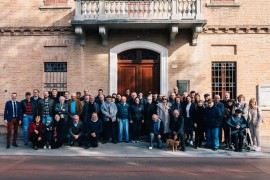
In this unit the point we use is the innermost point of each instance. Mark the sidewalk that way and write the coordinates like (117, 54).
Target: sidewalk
(126, 150)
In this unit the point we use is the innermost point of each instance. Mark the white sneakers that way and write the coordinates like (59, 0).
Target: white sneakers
(258, 149)
(150, 147)
(49, 147)
(45, 147)
(191, 143)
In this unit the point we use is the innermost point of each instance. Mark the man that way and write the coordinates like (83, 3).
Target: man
(177, 105)
(61, 108)
(35, 98)
(176, 91)
(75, 130)
(123, 119)
(238, 125)
(226, 98)
(55, 96)
(131, 100)
(206, 99)
(192, 94)
(85, 92)
(142, 100)
(78, 95)
(109, 111)
(149, 110)
(172, 98)
(93, 129)
(67, 97)
(220, 106)
(29, 110)
(160, 96)
(212, 119)
(97, 99)
(177, 128)
(156, 129)
(155, 98)
(12, 117)
(46, 108)
(74, 106)
(90, 108)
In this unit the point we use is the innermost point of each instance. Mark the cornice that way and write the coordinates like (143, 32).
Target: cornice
(236, 29)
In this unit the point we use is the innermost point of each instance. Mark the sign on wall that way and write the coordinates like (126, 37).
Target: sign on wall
(263, 96)
(183, 86)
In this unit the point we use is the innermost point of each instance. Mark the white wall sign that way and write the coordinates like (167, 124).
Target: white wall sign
(263, 96)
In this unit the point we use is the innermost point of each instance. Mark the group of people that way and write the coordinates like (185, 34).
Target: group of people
(51, 121)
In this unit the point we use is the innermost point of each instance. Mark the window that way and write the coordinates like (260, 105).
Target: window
(55, 76)
(56, 2)
(224, 78)
(223, 3)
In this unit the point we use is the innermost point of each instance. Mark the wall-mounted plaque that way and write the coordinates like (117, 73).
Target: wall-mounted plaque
(263, 96)
(183, 86)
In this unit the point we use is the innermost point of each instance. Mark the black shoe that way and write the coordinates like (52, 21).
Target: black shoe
(87, 146)
(15, 145)
(183, 149)
(8, 146)
(35, 148)
(240, 150)
(114, 142)
(71, 143)
(195, 147)
(215, 149)
(104, 142)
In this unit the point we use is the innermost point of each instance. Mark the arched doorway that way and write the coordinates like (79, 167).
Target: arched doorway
(138, 70)
(113, 62)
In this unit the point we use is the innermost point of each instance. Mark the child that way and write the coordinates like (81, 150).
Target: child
(48, 134)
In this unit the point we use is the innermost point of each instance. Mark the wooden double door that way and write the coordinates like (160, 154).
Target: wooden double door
(138, 70)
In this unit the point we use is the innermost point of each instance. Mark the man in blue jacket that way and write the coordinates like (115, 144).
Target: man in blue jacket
(12, 117)
(238, 124)
(212, 119)
(123, 119)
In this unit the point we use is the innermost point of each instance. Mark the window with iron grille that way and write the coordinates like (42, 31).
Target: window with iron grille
(224, 78)
(55, 76)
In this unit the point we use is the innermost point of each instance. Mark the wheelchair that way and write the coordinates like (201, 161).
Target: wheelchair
(246, 144)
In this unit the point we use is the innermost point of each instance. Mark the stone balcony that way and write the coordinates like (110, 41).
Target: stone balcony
(138, 14)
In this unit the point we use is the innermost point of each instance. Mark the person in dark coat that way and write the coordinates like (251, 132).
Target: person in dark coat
(188, 109)
(90, 108)
(177, 127)
(136, 119)
(198, 124)
(35, 133)
(48, 134)
(238, 125)
(149, 110)
(93, 129)
(46, 107)
(156, 129)
(220, 106)
(76, 130)
(229, 110)
(177, 105)
(58, 132)
(212, 119)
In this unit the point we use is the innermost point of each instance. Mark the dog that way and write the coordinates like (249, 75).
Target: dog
(172, 143)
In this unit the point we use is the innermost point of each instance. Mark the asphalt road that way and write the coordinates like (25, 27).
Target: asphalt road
(49, 167)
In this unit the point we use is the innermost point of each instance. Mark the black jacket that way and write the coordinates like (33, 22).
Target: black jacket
(149, 110)
(60, 130)
(177, 125)
(33, 104)
(178, 107)
(93, 127)
(136, 112)
(212, 117)
(198, 116)
(72, 130)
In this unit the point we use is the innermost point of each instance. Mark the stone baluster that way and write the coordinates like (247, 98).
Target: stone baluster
(146, 8)
(122, 8)
(136, 9)
(189, 8)
(83, 8)
(155, 8)
(193, 8)
(151, 9)
(107, 7)
(112, 8)
(160, 8)
(141, 8)
(126, 9)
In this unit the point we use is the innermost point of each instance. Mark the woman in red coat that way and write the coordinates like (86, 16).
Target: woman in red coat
(35, 133)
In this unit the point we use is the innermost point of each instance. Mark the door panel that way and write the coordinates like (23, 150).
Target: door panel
(127, 78)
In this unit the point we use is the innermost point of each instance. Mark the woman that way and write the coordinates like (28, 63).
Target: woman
(242, 105)
(197, 98)
(58, 132)
(136, 119)
(198, 124)
(163, 112)
(254, 120)
(229, 110)
(188, 112)
(35, 134)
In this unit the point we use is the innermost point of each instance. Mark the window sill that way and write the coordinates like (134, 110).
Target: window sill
(222, 5)
(54, 7)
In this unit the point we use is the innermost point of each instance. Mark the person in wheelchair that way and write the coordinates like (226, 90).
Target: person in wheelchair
(238, 125)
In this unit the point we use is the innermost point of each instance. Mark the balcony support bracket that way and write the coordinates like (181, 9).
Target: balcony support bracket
(103, 31)
(173, 33)
(80, 32)
(196, 30)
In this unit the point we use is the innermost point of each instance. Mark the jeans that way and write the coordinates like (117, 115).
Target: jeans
(44, 119)
(123, 129)
(27, 119)
(153, 136)
(213, 138)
